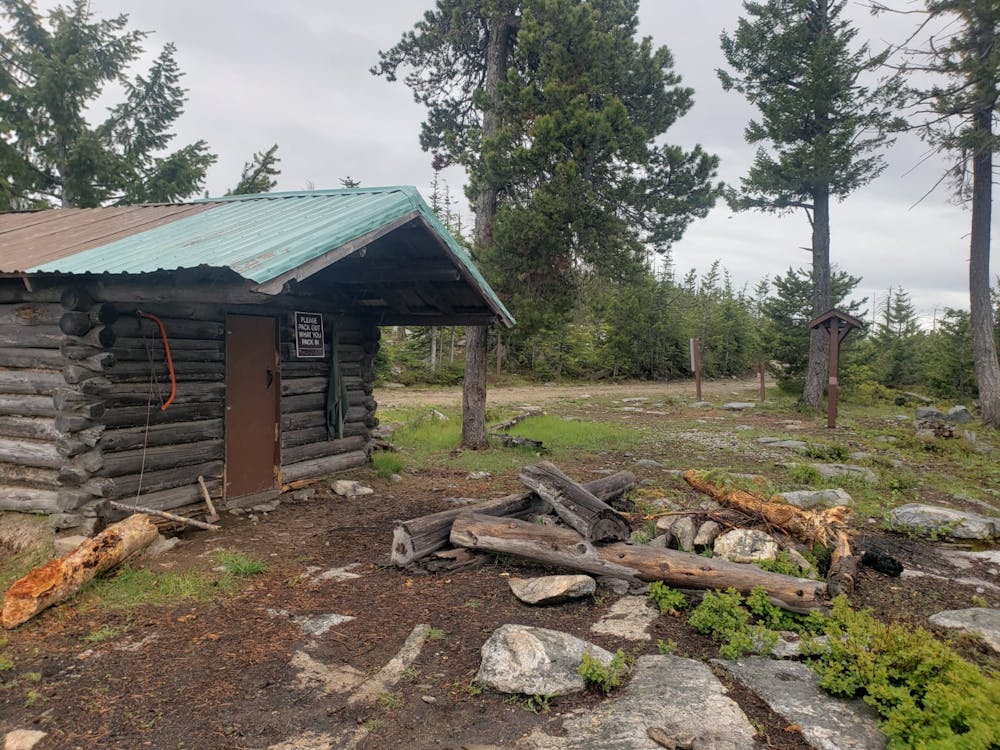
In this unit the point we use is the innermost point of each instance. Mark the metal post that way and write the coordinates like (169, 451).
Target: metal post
(831, 397)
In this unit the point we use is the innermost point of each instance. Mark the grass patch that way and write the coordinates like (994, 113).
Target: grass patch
(435, 634)
(577, 434)
(386, 463)
(132, 587)
(103, 633)
(240, 565)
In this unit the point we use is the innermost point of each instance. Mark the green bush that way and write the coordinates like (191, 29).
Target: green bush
(667, 599)
(606, 678)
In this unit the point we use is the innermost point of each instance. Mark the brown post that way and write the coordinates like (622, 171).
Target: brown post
(696, 366)
(834, 385)
(499, 353)
(760, 373)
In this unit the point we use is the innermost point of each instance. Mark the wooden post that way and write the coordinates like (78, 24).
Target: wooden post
(696, 366)
(760, 374)
(499, 353)
(833, 387)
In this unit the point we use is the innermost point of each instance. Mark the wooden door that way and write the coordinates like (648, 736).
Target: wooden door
(252, 405)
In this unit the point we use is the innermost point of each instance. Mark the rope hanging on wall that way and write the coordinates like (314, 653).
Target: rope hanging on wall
(336, 392)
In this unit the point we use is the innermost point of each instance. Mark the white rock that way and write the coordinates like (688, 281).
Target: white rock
(552, 589)
(745, 545)
(350, 488)
(628, 618)
(945, 521)
(808, 499)
(23, 739)
(982, 621)
(475, 475)
(707, 534)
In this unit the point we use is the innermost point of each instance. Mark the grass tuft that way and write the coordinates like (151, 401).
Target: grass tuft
(240, 565)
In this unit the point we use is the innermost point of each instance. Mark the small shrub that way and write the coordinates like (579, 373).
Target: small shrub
(667, 649)
(103, 633)
(803, 474)
(667, 600)
(781, 564)
(240, 565)
(386, 463)
(537, 703)
(823, 452)
(606, 678)
(435, 634)
(390, 701)
(6, 663)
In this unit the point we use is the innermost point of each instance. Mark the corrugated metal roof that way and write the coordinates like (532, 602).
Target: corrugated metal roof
(32, 238)
(264, 238)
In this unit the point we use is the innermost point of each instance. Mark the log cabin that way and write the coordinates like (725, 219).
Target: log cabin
(144, 346)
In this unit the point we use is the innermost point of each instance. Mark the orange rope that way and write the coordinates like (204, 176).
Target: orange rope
(170, 360)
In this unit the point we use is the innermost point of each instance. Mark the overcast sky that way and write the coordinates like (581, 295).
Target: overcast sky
(296, 73)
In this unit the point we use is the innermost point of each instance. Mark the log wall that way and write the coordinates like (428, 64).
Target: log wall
(83, 377)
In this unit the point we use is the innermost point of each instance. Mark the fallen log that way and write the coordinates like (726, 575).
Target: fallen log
(579, 508)
(811, 526)
(169, 516)
(565, 548)
(58, 580)
(844, 564)
(419, 537)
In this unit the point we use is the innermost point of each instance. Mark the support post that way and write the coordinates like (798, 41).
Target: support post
(760, 375)
(833, 386)
(696, 366)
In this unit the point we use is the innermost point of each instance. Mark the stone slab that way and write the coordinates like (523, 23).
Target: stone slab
(949, 522)
(628, 618)
(982, 621)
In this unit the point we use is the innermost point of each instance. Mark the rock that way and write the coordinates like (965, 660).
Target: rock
(707, 534)
(312, 674)
(745, 545)
(476, 475)
(933, 519)
(791, 690)
(535, 661)
(738, 405)
(161, 545)
(929, 412)
(628, 618)
(701, 405)
(349, 488)
(792, 445)
(395, 478)
(677, 697)
(428, 699)
(958, 415)
(982, 621)
(23, 739)
(635, 400)
(683, 531)
(304, 495)
(319, 624)
(809, 499)
(649, 462)
(552, 589)
(63, 545)
(437, 416)
(618, 586)
(846, 470)
(266, 507)
(971, 438)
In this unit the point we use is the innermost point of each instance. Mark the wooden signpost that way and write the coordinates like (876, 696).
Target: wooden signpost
(839, 324)
(696, 366)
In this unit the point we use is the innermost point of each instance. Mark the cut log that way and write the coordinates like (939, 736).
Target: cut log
(419, 537)
(593, 518)
(844, 564)
(58, 580)
(565, 548)
(810, 526)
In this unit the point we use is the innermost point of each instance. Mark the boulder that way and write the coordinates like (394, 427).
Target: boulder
(739, 405)
(929, 412)
(846, 470)
(349, 488)
(535, 661)
(933, 519)
(707, 534)
(809, 499)
(982, 621)
(683, 531)
(958, 415)
(745, 545)
(552, 589)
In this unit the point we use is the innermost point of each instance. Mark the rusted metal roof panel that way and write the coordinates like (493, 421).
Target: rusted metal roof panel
(33, 238)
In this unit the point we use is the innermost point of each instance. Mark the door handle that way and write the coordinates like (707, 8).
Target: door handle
(268, 378)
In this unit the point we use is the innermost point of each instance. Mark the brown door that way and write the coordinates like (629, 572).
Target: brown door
(252, 401)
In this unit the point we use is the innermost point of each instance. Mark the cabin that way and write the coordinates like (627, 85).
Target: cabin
(228, 339)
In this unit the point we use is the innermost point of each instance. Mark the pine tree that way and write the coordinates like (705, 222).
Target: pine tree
(258, 173)
(820, 129)
(50, 73)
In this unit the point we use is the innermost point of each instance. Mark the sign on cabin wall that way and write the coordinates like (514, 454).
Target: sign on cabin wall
(309, 339)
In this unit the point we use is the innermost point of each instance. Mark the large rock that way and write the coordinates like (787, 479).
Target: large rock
(349, 488)
(738, 405)
(791, 690)
(793, 445)
(707, 534)
(982, 621)
(628, 618)
(809, 499)
(929, 412)
(552, 589)
(535, 661)
(958, 415)
(667, 696)
(683, 531)
(933, 519)
(23, 739)
(745, 545)
(846, 470)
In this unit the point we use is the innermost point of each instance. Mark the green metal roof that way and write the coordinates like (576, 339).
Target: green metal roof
(266, 237)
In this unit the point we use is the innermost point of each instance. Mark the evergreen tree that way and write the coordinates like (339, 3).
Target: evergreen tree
(820, 128)
(258, 173)
(50, 73)
(950, 367)
(897, 340)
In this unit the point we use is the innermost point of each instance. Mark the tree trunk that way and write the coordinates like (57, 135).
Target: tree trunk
(984, 351)
(819, 339)
(634, 562)
(474, 385)
(419, 537)
(58, 580)
(578, 508)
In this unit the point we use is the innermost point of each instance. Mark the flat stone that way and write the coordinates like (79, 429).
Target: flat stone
(333, 574)
(319, 624)
(552, 589)
(929, 412)
(535, 661)
(161, 545)
(628, 618)
(982, 621)
(667, 696)
(745, 545)
(313, 674)
(350, 488)
(617, 586)
(792, 445)
(701, 405)
(303, 495)
(846, 470)
(477, 475)
(739, 405)
(649, 462)
(308, 741)
(266, 507)
(947, 522)
(707, 534)
(958, 415)
(23, 739)
(63, 545)
(791, 690)
(809, 499)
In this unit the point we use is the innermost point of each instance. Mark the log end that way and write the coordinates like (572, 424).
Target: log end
(402, 548)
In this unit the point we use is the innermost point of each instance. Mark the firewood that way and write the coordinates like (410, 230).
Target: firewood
(574, 504)
(810, 526)
(418, 537)
(566, 548)
(844, 564)
(58, 580)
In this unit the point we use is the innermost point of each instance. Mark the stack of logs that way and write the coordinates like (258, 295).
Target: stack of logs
(594, 539)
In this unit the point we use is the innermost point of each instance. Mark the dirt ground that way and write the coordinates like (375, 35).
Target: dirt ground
(224, 674)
